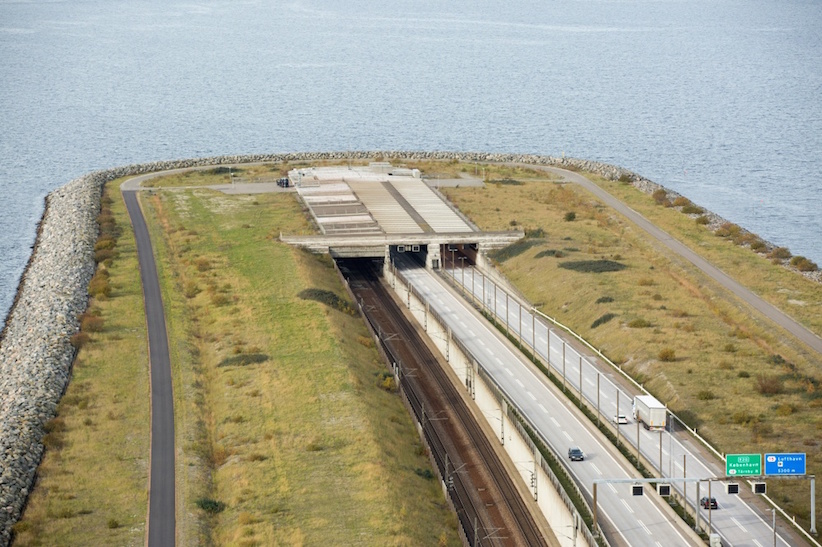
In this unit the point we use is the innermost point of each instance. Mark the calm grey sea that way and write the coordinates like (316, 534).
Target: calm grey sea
(720, 100)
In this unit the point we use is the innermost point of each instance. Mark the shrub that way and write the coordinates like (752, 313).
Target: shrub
(803, 264)
(769, 385)
(535, 233)
(706, 395)
(202, 264)
(781, 253)
(190, 290)
(603, 300)
(104, 255)
(220, 299)
(660, 196)
(645, 282)
(79, 339)
(385, 380)
(549, 252)
(243, 360)
(91, 323)
(744, 374)
(424, 473)
(514, 249)
(601, 320)
(113, 523)
(593, 266)
(625, 178)
(692, 209)
(570, 216)
(639, 324)
(99, 287)
(703, 220)
(210, 506)
(729, 348)
(728, 229)
(681, 201)
(758, 245)
(328, 298)
(667, 354)
(775, 359)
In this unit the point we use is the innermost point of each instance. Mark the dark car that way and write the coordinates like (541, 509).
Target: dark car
(575, 454)
(708, 503)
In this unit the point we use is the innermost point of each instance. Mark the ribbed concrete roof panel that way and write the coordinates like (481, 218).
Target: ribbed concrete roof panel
(385, 209)
(436, 213)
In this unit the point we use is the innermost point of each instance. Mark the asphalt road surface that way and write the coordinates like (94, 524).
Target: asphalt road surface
(738, 523)
(161, 507)
(639, 520)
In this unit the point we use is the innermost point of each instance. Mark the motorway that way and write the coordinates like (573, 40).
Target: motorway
(161, 506)
(671, 454)
(638, 520)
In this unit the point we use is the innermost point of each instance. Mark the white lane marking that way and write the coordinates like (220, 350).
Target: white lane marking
(554, 420)
(447, 309)
(567, 436)
(462, 323)
(589, 381)
(596, 469)
(531, 395)
(612, 487)
(658, 544)
(755, 541)
(519, 383)
(738, 524)
(498, 360)
(545, 410)
(471, 332)
(508, 370)
(630, 509)
(643, 526)
(480, 340)
(541, 340)
(604, 396)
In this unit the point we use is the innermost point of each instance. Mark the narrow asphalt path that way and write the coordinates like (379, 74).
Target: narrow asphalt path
(161, 507)
(749, 297)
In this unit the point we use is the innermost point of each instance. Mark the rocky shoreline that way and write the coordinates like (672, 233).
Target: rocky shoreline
(35, 351)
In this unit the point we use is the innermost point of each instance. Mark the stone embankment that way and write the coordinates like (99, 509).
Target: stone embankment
(35, 350)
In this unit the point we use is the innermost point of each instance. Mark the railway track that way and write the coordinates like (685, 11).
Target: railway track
(490, 509)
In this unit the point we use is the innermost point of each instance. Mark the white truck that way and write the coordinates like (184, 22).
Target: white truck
(650, 412)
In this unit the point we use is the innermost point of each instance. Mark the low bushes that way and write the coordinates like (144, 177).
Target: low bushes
(602, 319)
(515, 249)
(328, 298)
(593, 266)
(243, 360)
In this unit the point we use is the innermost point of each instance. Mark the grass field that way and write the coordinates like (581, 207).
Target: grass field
(697, 348)
(283, 435)
(92, 483)
(302, 447)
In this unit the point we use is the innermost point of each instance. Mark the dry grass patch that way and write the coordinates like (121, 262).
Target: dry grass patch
(280, 435)
(689, 315)
(91, 486)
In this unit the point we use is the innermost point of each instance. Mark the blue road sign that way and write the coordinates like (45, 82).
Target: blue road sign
(784, 464)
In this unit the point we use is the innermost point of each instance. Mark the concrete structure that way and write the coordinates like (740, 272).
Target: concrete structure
(380, 209)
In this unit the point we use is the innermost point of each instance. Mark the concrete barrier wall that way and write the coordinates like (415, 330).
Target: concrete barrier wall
(491, 403)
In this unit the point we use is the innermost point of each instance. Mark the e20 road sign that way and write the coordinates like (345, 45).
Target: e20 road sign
(784, 464)
(737, 465)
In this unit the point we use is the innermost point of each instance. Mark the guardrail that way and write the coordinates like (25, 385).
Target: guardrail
(517, 416)
(511, 294)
